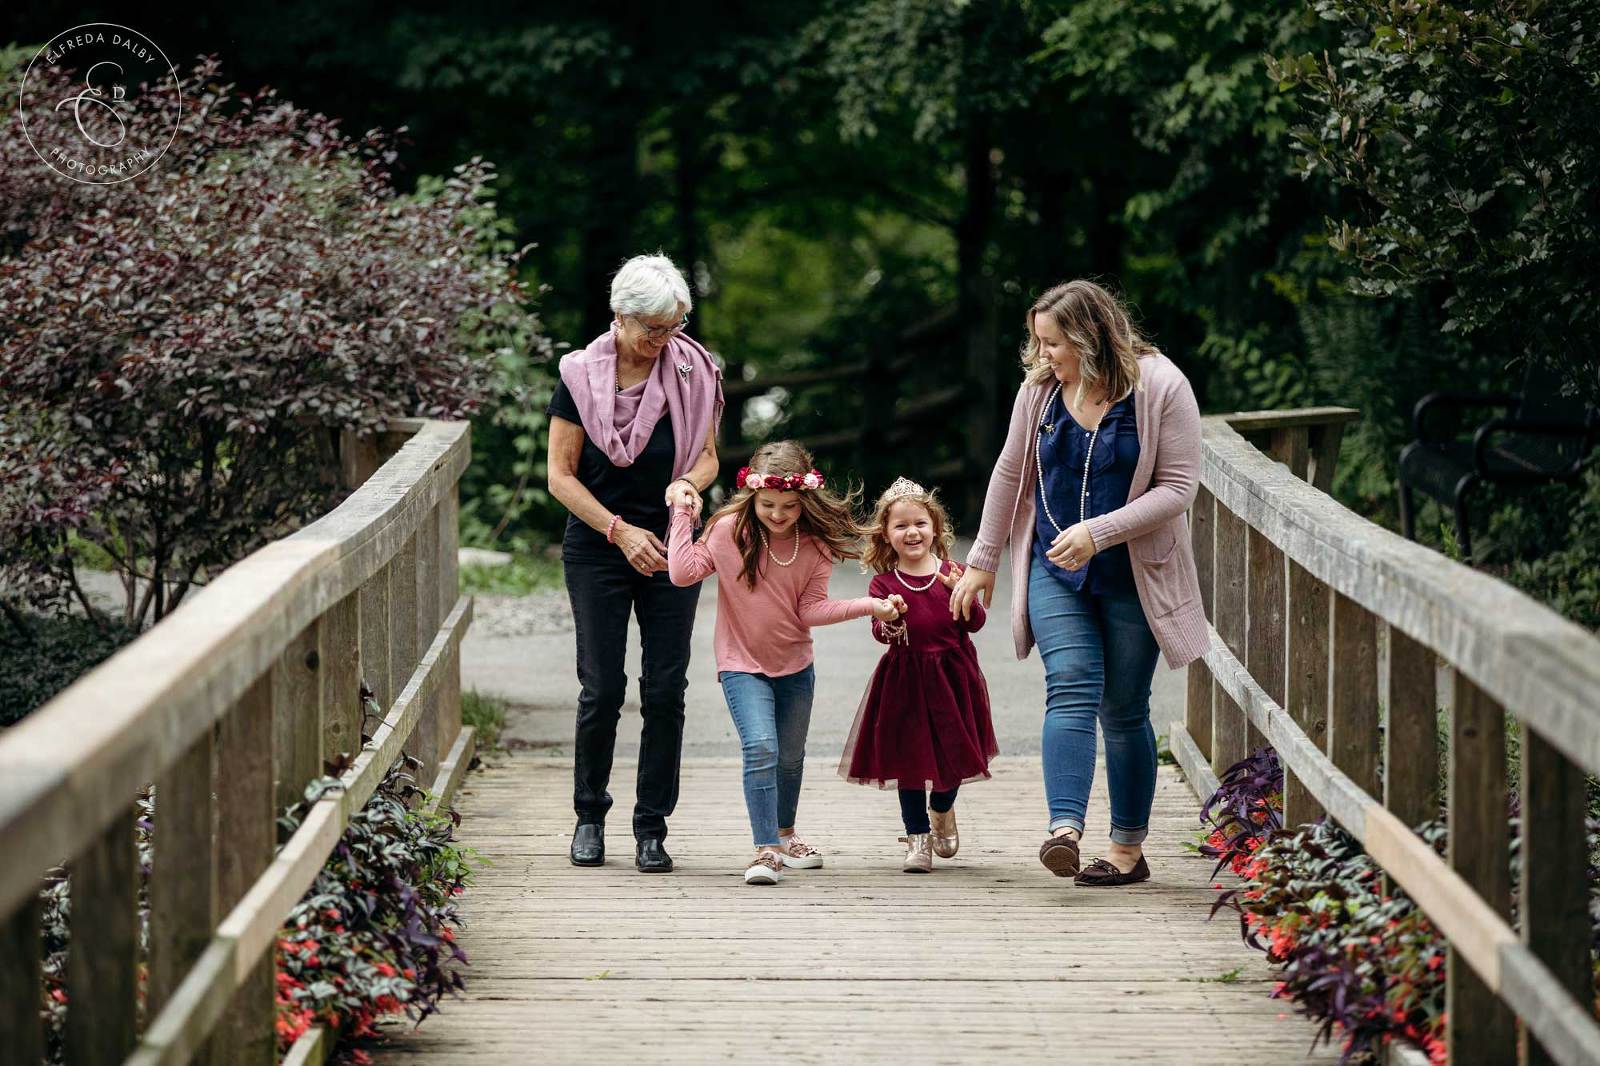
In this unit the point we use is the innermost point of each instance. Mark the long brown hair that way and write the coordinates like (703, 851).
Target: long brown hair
(825, 514)
(879, 555)
(1096, 323)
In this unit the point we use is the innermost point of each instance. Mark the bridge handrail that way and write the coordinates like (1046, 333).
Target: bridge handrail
(229, 705)
(1329, 634)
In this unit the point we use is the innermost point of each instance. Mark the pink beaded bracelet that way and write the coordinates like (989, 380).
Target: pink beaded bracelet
(611, 527)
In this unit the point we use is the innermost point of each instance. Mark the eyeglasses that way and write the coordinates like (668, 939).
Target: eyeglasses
(657, 333)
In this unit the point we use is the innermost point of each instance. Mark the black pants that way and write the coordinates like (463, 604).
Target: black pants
(604, 593)
(914, 804)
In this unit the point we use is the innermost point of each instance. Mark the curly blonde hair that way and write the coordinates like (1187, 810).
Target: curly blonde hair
(879, 556)
(825, 514)
(1098, 325)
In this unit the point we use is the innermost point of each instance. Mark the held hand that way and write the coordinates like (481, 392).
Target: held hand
(885, 610)
(643, 549)
(948, 580)
(1072, 549)
(899, 602)
(972, 583)
(682, 494)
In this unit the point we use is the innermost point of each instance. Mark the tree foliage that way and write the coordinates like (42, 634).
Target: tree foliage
(1468, 133)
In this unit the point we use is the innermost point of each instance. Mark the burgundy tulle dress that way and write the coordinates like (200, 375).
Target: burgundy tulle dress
(924, 721)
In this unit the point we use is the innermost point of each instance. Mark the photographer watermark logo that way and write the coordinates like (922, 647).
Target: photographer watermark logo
(100, 103)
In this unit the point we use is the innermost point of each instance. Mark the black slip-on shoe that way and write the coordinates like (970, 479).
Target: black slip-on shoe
(588, 845)
(651, 857)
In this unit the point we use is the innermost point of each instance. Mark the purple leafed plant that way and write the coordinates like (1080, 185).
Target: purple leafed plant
(1245, 810)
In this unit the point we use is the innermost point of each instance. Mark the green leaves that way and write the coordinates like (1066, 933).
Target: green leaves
(1466, 135)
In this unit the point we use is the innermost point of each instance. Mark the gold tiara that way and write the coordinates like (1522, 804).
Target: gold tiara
(903, 486)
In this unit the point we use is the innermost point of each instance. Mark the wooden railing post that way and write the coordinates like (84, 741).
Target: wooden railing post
(375, 629)
(341, 684)
(103, 954)
(1265, 631)
(425, 740)
(21, 959)
(247, 830)
(1230, 733)
(1325, 441)
(1353, 695)
(183, 867)
(297, 716)
(1480, 1028)
(1554, 887)
(403, 650)
(1290, 445)
(1197, 701)
(1306, 682)
(1411, 733)
(448, 712)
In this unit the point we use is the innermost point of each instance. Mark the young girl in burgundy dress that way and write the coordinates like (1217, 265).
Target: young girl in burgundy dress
(772, 548)
(924, 722)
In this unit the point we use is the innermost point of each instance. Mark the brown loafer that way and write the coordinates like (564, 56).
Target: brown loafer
(1103, 874)
(1060, 856)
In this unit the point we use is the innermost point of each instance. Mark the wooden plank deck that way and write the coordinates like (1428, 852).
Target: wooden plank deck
(853, 963)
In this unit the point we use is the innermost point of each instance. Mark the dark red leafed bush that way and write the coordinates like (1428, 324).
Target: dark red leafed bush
(181, 349)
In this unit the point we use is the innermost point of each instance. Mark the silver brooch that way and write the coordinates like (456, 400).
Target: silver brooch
(685, 369)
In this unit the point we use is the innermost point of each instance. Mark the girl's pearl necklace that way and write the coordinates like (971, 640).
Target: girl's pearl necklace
(1083, 494)
(916, 588)
(767, 544)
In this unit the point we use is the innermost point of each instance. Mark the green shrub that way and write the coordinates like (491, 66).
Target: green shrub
(49, 656)
(487, 714)
(522, 576)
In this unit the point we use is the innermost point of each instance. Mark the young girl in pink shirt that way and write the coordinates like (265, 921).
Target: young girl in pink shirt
(772, 547)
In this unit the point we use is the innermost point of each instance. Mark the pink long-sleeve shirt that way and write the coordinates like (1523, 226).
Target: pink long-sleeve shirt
(766, 629)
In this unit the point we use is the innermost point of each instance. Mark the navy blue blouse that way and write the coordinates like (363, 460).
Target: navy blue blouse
(1062, 445)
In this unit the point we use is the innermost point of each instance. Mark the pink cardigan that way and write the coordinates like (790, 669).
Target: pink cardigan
(767, 629)
(1151, 522)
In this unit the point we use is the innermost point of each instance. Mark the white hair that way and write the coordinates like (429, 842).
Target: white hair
(649, 285)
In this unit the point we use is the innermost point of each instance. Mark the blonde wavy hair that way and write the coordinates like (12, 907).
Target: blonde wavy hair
(1098, 325)
(879, 556)
(827, 515)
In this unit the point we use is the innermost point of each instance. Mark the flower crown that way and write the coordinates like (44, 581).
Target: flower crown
(752, 479)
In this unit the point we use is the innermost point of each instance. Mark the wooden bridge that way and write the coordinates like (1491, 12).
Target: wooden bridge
(1331, 635)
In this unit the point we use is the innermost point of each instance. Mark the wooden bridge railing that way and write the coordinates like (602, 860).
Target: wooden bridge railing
(231, 705)
(1337, 643)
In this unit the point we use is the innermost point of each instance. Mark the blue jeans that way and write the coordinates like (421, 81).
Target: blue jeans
(1099, 656)
(772, 715)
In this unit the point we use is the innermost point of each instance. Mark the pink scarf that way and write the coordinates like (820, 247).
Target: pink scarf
(685, 382)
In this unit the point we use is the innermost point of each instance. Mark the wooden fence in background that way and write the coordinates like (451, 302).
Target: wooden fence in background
(231, 705)
(1339, 644)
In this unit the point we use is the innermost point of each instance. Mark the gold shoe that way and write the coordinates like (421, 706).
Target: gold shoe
(919, 854)
(946, 841)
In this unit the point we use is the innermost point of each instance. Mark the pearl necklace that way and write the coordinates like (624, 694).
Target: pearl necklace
(1083, 494)
(767, 544)
(916, 588)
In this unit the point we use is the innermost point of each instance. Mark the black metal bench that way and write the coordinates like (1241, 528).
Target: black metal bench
(1539, 437)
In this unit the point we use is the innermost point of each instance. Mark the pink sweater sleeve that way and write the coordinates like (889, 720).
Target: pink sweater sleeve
(815, 607)
(688, 562)
(1174, 480)
(1009, 470)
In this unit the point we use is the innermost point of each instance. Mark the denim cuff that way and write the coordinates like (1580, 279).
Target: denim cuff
(1120, 835)
(1067, 822)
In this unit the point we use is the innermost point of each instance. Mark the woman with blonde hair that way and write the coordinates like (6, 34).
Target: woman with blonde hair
(1100, 462)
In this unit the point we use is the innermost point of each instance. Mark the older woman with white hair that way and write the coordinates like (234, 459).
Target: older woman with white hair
(633, 427)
